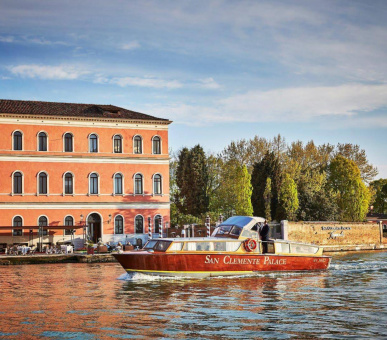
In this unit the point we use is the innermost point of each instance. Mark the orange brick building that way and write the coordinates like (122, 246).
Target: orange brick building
(100, 166)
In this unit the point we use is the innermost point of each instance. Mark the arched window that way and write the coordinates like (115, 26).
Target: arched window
(43, 222)
(157, 188)
(156, 145)
(17, 182)
(119, 225)
(68, 142)
(93, 143)
(42, 141)
(137, 144)
(17, 222)
(117, 144)
(158, 221)
(93, 184)
(17, 140)
(118, 184)
(69, 222)
(139, 224)
(138, 185)
(68, 184)
(43, 184)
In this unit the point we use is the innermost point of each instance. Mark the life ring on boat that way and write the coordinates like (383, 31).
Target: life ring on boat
(250, 244)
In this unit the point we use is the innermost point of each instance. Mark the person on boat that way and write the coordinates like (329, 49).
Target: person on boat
(264, 234)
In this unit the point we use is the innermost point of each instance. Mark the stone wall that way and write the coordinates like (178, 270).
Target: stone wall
(335, 234)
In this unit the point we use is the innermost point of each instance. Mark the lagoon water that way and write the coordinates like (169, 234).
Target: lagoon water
(100, 301)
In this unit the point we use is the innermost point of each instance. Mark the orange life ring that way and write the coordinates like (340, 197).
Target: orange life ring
(250, 244)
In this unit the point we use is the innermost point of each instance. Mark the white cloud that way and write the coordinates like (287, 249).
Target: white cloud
(300, 104)
(146, 82)
(7, 39)
(209, 83)
(131, 45)
(61, 72)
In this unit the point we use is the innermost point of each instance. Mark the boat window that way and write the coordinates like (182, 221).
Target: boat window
(249, 233)
(303, 249)
(282, 247)
(224, 229)
(235, 230)
(176, 246)
(150, 244)
(190, 246)
(162, 245)
(205, 246)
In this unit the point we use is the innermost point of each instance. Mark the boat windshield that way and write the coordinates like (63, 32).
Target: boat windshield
(228, 231)
(157, 245)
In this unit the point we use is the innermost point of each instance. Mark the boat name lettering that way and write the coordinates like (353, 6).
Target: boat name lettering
(336, 228)
(274, 261)
(237, 260)
(210, 259)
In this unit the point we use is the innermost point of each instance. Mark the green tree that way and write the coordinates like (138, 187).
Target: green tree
(288, 198)
(192, 181)
(353, 196)
(379, 201)
(267, 199)
(268, 167)
(235, 192)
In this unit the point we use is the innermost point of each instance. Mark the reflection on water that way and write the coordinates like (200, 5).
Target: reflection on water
(100, 301)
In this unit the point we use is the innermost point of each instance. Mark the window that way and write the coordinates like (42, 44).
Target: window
(69, 221)
(17, 183)
(119, 225)
(42, 141)
(156, 145)
(138, 185)
(42, 183)
(157, 184)
(137, 144)
(93, 184)
(139, 224)
(117, 144)
(158, 221)
(17, 222)
(43, 222)
(17, 140)
(118, 184)
(68, 184)
(93, 143)
(68, 142)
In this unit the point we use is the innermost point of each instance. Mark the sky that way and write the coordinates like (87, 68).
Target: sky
(220, 70)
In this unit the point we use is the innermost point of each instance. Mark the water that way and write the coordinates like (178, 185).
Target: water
(100, 301)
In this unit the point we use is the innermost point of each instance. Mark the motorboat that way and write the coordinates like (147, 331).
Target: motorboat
(234, 248)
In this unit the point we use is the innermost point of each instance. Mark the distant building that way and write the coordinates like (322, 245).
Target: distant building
(65, 164)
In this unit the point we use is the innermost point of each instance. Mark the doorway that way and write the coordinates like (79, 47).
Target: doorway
(94, 223)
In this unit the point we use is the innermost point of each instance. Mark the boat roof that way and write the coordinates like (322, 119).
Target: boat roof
(243, 221)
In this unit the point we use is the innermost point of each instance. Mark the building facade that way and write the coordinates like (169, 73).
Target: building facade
(98, 166)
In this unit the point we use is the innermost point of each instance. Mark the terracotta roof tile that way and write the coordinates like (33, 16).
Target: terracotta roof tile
(71, 110)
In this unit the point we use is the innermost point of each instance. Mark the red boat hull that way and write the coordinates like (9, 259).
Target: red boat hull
(194, 264)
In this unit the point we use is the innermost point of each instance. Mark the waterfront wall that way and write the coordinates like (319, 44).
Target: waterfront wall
(336, 235)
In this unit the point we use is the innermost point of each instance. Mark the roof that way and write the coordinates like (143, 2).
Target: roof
(28, 107)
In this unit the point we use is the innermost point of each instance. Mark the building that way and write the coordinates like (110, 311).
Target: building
(102, 167)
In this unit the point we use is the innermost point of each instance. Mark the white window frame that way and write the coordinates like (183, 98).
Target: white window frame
(88, 142)
(98, 184)
(142, 184)
(13, 144)
(142, 145)
(123, 224)
(12, 183)
(37, 184)
(48, 223)
(122, 144)
(47, 141)
(64, 223)
(154, 222)
(153, 184)
(143, 224)
(114, 184)
(64, 183)
(16, 227)
(161, 145)
(64, 141)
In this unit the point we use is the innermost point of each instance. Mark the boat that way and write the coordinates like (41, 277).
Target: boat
(234, 248)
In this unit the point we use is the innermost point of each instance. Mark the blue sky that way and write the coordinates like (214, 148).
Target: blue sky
(221, 70)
